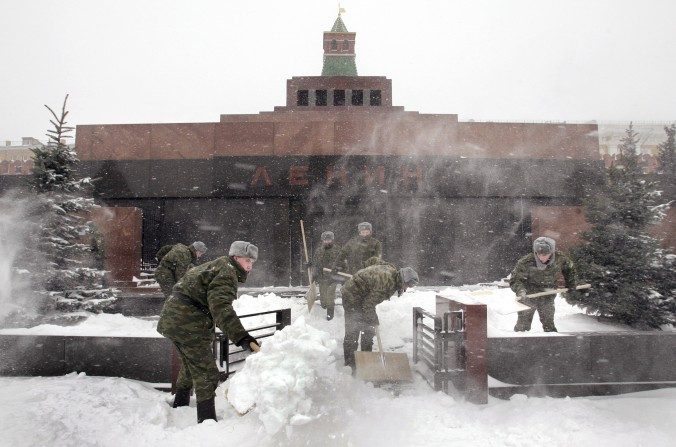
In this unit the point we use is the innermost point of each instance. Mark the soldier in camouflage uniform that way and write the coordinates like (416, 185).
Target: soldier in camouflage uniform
(325, 256)
(357, 250)
(537, 272)
(361, 293)
(175, 263)
(201, 299)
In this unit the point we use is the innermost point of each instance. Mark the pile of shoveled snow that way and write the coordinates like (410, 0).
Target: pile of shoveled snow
(278, 381)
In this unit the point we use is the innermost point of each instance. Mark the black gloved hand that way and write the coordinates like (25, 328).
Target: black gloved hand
(245, 341)
(307, 265)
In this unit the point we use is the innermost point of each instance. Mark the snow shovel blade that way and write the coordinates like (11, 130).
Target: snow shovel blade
(508, 307)
(239, 408)
(311, 296)
(383, 367)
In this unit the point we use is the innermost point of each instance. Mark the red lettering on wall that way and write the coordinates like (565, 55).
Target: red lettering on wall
(336, 176)
(261, 173)
(298, 176)
(375, 178)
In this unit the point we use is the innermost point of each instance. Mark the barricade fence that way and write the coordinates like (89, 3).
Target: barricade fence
(450, 348)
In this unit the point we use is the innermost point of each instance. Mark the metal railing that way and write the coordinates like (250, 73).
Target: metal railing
(438, 343)
(228, 354)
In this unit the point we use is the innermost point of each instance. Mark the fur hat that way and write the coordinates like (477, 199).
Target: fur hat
(328, 236)
(544, 245)
(364, 226)
(243, 249)
(409, 276)
(199, 246)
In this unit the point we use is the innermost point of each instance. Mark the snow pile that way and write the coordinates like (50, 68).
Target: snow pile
(278, 379)
(95, 325)
(396, 316)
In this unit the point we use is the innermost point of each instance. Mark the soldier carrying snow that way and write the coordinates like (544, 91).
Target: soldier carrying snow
(361, 293)
(201, 300)
(357, 250)
(175, 262)
(537, 272)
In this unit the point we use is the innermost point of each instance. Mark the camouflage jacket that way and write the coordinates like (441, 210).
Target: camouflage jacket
(213, 286)
(526, 275)
(163, 251)
(324, 257)
(369, 287)
(354, 254)
(375, 260)
(179, 259)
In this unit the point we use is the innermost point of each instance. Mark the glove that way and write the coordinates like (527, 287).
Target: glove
(245, 341)
(521, 295)
(573, 296)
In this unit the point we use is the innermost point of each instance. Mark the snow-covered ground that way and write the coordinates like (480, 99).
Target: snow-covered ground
(301, 395)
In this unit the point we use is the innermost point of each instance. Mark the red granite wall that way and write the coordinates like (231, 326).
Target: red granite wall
(121, 231)
(562, 223)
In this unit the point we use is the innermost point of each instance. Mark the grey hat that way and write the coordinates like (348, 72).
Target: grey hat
(364, 226)
(243, 249)
(544, 245)
(199, 246)
(327, 236)
(408, 276)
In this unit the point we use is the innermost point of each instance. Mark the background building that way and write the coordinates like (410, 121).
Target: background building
(459, 201)
(456, 200)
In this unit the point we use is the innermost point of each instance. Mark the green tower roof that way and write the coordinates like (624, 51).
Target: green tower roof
(339, 26)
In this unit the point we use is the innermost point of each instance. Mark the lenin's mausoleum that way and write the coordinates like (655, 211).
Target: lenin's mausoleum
(458, 201)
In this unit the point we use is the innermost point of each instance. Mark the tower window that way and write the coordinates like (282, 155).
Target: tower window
(320, 97)
(303, 98)
(346, 45)
(334, 44)
(374, 97)
(357, 97)
(339, 97)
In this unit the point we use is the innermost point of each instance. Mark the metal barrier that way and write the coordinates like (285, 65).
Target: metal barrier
(440, 347)
(226, 353)
(452, 345)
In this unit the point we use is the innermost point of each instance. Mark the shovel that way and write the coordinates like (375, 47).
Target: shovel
(311, 295)
(519, 307)
(382, 367)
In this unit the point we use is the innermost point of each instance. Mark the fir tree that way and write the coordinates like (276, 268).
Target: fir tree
(632, 279)
(667, 160)
(67, 237)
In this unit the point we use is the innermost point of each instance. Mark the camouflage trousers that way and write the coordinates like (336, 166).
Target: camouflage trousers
(545, 309)
(355, 325)
(327, 294)
(192, 333)
(165, 279)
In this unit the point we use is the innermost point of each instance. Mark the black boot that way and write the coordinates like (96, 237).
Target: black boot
(182, 397)
(206, 410)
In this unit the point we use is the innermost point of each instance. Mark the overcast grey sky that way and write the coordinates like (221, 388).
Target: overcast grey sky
(149, 61)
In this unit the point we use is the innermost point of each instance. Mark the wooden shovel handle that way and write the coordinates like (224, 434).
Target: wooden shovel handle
(346, 275)
(307, 258)
(555, 291)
